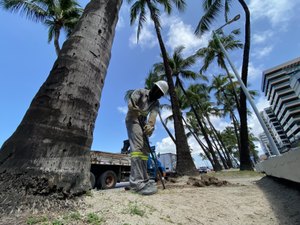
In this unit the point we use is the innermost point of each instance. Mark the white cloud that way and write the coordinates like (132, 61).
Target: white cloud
(147, 38)
(166, 145)
(123, 16)
(219, 123)
(180, 33)
(254, 72)
(262, 37)
(122, 109)
(262, 52)
(177, 33)
(278, 12)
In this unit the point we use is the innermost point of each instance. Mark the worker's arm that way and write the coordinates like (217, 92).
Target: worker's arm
(132, 103)
(149, 127)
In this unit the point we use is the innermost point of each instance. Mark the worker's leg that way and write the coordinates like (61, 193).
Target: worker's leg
(138, 174)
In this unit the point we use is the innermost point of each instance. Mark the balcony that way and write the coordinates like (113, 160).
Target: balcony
(278, 87)
(282, 101)
(288, 106)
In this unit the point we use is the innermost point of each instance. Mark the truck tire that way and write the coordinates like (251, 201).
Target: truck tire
(93, 180)
(107, 180)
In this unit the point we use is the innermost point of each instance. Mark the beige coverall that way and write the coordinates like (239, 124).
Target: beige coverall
(139, 105)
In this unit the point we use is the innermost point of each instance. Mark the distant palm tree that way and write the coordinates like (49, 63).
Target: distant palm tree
(185, 164)
(196, 96)
(55, 14)
(211, 9)
(223, 94)
(213, 52)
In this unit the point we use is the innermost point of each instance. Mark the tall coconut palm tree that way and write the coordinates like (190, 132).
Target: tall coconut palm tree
(213, 52)
(181, 68)
(211, 9)
(196, 95)
(224, 96)
(185, 164)
(50, 149)
(56, 15)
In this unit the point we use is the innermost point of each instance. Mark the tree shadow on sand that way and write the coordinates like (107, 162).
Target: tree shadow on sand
(284, 197)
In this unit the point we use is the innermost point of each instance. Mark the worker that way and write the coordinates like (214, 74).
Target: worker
(143, 103)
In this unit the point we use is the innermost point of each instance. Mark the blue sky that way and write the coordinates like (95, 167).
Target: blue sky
(26, 60)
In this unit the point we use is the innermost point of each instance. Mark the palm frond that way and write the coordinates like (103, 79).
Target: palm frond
(142, 20)
(180, 4)
(227, 9)
(50, 33)
(212, 11)
(28, 8)
(167, 6)
(135, 11)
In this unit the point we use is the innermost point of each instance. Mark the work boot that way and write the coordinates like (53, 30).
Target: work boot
(148, 189)
(152, 182)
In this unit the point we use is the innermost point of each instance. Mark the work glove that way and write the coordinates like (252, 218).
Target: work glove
(148, 130)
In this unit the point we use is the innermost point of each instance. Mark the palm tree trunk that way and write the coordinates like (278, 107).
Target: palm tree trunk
(218, 138)
(234, 91)
(166, 128)
(185, 164)
(234, 121)
(236, 130)
(216, 147)
(204, 148)
(56, 41)
(245, 161)
(50, 149)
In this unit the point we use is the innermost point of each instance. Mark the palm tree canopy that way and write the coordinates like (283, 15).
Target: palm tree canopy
(138, 11)
(212, 8)
(54, 14)
(213, 50)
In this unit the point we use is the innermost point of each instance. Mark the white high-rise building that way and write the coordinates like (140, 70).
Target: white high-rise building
(281, 85)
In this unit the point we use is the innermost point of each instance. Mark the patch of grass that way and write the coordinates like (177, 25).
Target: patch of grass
(135, 210)
(89, 193)
(75, 216)
(57, 222)
(93, 218)
(35, 220)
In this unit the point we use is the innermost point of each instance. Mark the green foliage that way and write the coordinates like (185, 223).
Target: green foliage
(93, 218)
(133, 209)
(89, 193)
(75, 216)
(35, 220)
(56, 15)
(57, 222)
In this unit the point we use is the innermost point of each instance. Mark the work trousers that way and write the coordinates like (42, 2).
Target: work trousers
(139, 155)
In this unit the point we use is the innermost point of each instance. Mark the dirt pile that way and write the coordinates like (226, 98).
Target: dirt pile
(198, 181)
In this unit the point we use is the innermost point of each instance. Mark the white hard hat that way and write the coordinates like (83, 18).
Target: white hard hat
(162, 85)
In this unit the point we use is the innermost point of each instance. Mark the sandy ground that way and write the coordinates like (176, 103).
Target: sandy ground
(248, 199)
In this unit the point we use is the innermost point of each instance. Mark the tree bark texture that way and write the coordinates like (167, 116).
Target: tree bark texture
(244, 137)
(52, 143)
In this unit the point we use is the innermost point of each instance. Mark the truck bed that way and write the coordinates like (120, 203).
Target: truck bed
(106, 158)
